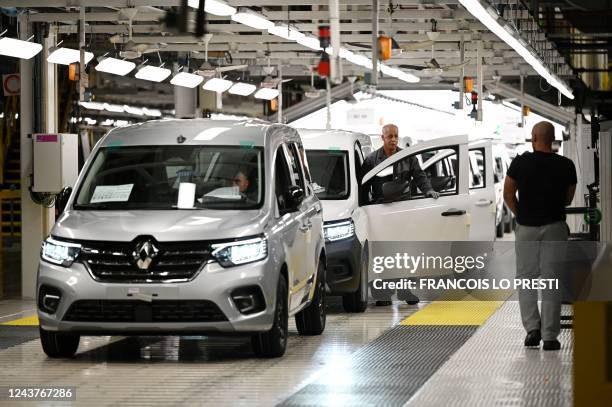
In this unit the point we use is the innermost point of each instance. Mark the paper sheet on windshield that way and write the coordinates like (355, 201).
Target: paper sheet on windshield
(112, 193)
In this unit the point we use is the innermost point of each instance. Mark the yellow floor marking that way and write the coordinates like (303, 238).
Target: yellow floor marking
(466, 312)
(32, 320)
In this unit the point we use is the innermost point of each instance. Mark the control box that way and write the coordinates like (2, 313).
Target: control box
(55, 161)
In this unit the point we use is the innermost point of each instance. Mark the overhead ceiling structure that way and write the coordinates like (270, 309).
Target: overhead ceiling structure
(428, 36)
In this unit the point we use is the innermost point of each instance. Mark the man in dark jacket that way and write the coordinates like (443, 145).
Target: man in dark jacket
(407, 169)
(545, 183)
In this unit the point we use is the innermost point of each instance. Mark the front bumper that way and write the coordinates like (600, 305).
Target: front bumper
(343, 265)
(213, 283)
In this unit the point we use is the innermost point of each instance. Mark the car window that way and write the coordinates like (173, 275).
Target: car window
(305, 164)
(440, 173)
(297, 178)
(330, 173)
(173, 177)
(499, 168)
(282, 178)
(477, 169)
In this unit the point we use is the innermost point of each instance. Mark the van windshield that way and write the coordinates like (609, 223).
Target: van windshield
(329, 170)
(173, 177)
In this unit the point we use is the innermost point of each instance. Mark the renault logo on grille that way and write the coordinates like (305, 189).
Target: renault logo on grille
(144, 254)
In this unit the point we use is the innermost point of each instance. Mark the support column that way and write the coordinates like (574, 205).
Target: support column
(31, 214)
(185, 102)
(374, 79)
(480, 80)
(49, 113)
(209, 101)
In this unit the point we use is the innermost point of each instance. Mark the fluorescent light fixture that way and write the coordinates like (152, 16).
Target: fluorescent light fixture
(186, 80)
(217, 85)
(92, 105)
(136, 111)
(310, 42)
(216, 7)
(266, 93)
(113, 108)
(408, 77)
(489, 18)
(66, 56)
(252, 19)
(242, 89)
(120, 123)
(285, 31)
(153, 73)
(344, 53)
(115, 66)
(399, 74)
(151, 112)
(360, 60)
(18, 48)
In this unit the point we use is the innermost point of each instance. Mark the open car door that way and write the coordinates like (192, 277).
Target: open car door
(482, 191)
(404, 213)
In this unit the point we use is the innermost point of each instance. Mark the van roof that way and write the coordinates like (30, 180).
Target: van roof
(325, 139)
(248, 133)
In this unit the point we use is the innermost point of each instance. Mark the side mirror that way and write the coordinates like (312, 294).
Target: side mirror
(396, 190)
(294, 197)
(62, 199)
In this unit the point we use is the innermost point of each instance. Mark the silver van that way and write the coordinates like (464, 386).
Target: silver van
(336, 157)
(186, 226)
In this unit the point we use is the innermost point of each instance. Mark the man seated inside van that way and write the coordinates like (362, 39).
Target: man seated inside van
(239, 187)
(243, 182)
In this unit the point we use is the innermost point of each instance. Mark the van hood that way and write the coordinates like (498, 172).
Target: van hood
(337, 209)
(163, 225)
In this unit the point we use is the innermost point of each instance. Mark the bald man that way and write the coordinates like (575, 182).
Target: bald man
(545, 183)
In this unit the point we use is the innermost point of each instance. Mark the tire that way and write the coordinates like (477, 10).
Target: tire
(499, 229)
(358, 301)
(311, 320)
(273, 343)
(59, 344)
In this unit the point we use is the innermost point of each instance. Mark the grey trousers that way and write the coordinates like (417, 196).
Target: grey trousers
(540, 252)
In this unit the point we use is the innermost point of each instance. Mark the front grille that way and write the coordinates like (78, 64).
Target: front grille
(113, 262)
(141, 311)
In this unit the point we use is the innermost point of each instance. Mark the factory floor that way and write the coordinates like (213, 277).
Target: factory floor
(460, 353)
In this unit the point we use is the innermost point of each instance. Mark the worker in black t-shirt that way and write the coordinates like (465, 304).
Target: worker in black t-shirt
(545, 182)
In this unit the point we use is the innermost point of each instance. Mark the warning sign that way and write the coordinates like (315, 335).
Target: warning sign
(11, 84)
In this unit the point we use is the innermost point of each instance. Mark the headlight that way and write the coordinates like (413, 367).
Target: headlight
(240, 252)
(338, 230)
(58, 252)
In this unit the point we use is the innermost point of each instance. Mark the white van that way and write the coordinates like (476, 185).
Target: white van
(335, 158)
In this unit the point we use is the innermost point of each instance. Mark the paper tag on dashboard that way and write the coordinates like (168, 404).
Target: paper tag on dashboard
(112, 193)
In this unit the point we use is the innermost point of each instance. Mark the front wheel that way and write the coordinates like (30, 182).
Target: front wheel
(311, 320)
(59, 344)
(358, 301)
(273, 343)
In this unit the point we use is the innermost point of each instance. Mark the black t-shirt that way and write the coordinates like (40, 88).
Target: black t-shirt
(543, 179)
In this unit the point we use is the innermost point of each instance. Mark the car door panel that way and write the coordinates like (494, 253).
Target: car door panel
(482, 196)
(424, 219)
